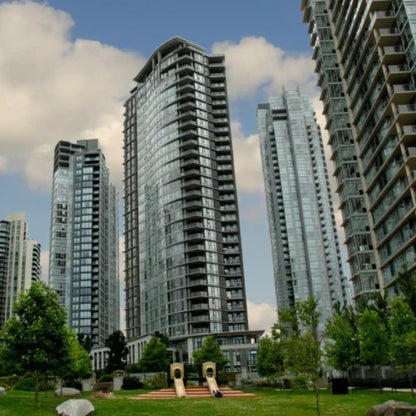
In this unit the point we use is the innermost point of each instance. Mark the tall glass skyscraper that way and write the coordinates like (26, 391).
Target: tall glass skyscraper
(19, 262)
(184, 270)
(365, 56)
(305, 248)
(83, 264)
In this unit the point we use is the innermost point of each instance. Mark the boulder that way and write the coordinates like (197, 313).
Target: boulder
(79, 407)
(392, 408)
(67, 392)
(2, 391)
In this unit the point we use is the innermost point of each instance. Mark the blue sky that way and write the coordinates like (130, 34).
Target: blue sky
(67, 68)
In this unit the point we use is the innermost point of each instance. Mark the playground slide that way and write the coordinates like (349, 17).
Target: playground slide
(180, 388)
(212, 384)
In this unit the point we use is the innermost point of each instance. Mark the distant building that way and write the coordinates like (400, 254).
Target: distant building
(83, 264)
(305, 248)
(365, 61)
(19, 262)
(184, 268)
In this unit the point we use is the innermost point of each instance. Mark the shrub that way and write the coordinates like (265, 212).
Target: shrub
(299, 383)
(28, 384)
(132, 368)
(132, 383)
(105, 378)
(9, 382)
(158, 381)
(227, 378)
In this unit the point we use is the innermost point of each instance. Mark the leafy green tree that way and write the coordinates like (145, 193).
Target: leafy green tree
(403, 337)
(118, 351)
(210, 351)
(270, 358)
(374, 341)
(35, 340)
(155, 356)
(407, 285)
(298, 331)
(85, 341)
(343, 349)
(76, 364)
(162, 337)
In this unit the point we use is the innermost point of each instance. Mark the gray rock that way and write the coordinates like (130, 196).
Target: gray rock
(79, 407)
(392, 408)
(2, 391)
(67, 392)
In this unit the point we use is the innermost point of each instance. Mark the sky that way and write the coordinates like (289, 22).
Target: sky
(67, 66)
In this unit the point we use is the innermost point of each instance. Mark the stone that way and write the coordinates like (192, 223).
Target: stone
(67, 392)
(2, 391)
(75, 407)
(392, 408)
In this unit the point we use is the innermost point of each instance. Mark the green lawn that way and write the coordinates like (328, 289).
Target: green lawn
(269, 402)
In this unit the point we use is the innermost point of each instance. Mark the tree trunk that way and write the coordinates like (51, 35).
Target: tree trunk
(36, 388)
(411, 383)
(379, 378)
(318, 408)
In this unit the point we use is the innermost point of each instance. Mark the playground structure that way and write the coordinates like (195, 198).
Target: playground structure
(209, 371)
(180, 391)
(176, 373)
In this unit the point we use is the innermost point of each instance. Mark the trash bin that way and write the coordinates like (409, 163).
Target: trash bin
(339, 385)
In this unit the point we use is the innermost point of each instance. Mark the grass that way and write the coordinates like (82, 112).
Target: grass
(269, 402)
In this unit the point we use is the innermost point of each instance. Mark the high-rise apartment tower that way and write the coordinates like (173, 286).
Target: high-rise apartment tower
(184, 269)
(365, 56)
(19, 262)
(83, 264)
(305, 248)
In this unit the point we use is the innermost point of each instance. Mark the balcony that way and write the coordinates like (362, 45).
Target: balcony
(382, 19)
(199, 306)
(190, 163)
(194, 236)
(197, 282)
(192, 194)
(195, 259)
(199, 294)
(403, 93)
(195, 247)
(196, 271)
(191, 184)
(191, 173)
(393, 55)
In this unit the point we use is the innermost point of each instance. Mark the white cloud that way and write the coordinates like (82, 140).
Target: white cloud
(44, 265)
(261, 315)
(255, 63)
(55, 88)
(247, 160)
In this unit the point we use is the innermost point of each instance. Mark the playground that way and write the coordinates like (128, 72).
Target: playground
(179, 391)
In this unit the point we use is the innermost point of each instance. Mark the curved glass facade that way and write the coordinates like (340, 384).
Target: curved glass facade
(184, 274)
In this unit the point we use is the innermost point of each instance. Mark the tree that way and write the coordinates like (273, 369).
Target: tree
(162, 337)
(210, 351)
(403, 337)
(155, 356)
(374, 341)
(79, 361)
(270, 358)
(407, 284)
(35, 340)
(343, 349)
(118, 351)
(301, 343)
(85, 341)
